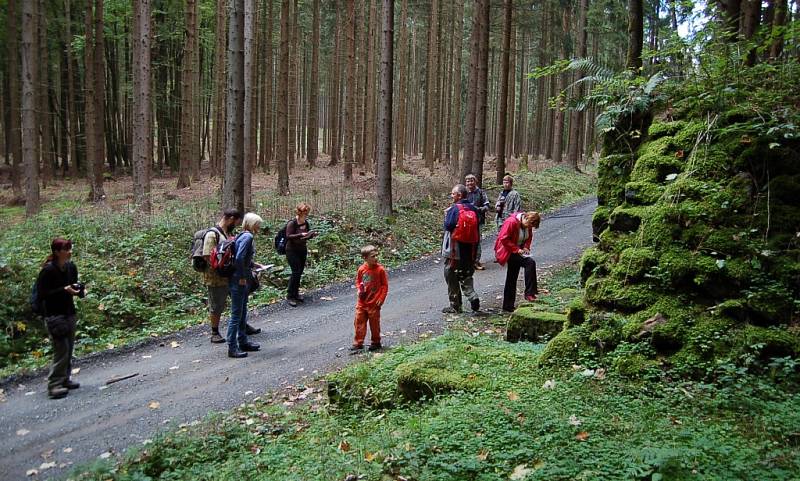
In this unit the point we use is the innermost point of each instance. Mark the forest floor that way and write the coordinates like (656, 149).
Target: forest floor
(182, 377)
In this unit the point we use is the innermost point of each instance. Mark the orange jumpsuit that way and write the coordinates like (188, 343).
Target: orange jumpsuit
(372, 285)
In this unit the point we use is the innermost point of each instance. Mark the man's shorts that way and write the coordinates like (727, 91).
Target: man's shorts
(217, 299)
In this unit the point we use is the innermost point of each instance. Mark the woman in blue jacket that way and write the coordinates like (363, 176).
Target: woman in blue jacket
(238, 344)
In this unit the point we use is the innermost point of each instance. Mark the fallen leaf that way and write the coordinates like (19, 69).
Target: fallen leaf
(154, 405)
(174, 344)
(173, 368)
(109, 346)
(105, 455)
(483, 454)
(369, 457)
(344, 446)
(573, 420)
(326, 298)
(2, 396)
(67, 450)
(549, 384)
(46, 466)
(146, 357)
(47, 454)
(582, 436)
(600, 374)
(76, 370)
(30, 393)
(520, 472)
(512, 396)
(31, 472)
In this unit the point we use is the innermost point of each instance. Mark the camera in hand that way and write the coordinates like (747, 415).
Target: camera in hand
(80, 287)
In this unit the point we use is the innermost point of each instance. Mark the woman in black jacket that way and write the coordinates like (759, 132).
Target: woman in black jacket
(56, 285)
(298, 231)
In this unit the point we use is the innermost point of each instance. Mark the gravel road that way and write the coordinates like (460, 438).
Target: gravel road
(195, 377)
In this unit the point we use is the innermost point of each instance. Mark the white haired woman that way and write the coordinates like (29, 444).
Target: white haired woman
(238, 344)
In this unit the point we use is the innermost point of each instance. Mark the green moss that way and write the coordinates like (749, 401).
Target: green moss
(576, 313)
(686, 137)
(769, 342)
(613, 172)
(642, 193)
(710, 162)
(592, 261)
(661, 128)
(633, 263)
(633, 365)
(614, 294)
(564, 349)
(437, 372)
(528, 324)
(627, 219)
(657, 159)
(600, 220)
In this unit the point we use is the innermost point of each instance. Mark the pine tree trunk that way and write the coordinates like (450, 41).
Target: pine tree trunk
(30, 135)
(472, 91)
(483, 97)
(142, 152)
(778, 23)
(512, 95)
(362, 10)
(431, 95)
(402, 97)
(233, 183)
(635, 35)
(540, 123)
(187, 97)
(268, 131)
(312, 149)
(282, 142)
(384, 159)
(349, 94)
(503, 100)
(573, 152)
(220, 105)
(558, 119)
(99, 102)
(371, 133)
(455, 118)
(249, 131)
(291, 121)
(48, 153)
(335, 99)
(14, 128)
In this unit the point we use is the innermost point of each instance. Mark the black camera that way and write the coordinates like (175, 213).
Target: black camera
(80, 287)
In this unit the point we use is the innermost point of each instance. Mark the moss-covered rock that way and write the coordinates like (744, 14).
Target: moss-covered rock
(600, 220)
(634, 365)
(662, 128)
(613, 293)
(593, 261)
(436, 373)
(527, 324)
(626, 219)
(565, 349)
(657, 160)
(576, 313)
(613, 172)
(769, 342)
(688, 135)
(633, 264)
(642, 193)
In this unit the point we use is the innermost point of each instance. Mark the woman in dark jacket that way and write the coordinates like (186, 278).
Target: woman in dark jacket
(298, 232)
(56, 286)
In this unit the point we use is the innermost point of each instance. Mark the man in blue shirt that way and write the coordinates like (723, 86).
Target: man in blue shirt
(459, 256)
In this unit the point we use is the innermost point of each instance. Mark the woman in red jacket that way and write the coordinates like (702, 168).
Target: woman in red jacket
(513, 246)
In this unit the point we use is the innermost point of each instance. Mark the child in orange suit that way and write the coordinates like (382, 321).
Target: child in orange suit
(372, 284)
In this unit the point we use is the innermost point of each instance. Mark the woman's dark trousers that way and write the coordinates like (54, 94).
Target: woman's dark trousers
(63, 346)
(297, 262)
(515, 263)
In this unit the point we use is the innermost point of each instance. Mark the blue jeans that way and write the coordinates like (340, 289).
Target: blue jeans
(236, 334)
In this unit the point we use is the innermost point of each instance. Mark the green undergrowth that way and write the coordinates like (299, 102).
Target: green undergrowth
(501, 416)
(140, 281)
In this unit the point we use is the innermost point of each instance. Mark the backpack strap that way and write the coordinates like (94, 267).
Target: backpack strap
(219, 232)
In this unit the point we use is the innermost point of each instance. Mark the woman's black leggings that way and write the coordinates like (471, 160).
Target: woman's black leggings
(515, 263)
(297, 262)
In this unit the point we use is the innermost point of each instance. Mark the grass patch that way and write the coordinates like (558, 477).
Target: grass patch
(139, 277)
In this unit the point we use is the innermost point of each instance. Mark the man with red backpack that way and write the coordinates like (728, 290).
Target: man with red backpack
(459, 248)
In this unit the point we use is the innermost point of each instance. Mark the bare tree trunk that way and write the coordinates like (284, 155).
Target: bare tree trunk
(335, 75)
(233, 183)
(503, 100)
(573, 151)
(312, 149)
(349, 94)
(282, 142)
(431, 95)
(142, 151)
(483, 97)
(472, 90)
(455, 118)
(72, 104)
(15, 130)
(187, 97)
(48, 153)
(750, 24)
(402, 88)
(267, 140)
(370, 135)
(361, 31)
(778, 23)
(291, 121)
(384, 167)
(220, 104)
(30, 136)
(558, 119)
(93, 168)
(540, 121)
(635, 35)
(249, 131)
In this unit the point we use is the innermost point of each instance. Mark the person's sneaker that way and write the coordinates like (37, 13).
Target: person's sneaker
(70, 384)
(250, 330)
(375, 347)
(236, 354)
(475, 304)
(508, 309)
(479, 266)
(530, 298)
(300, 299)
(451, 310)
(292, 302)
(355, 348)
(57, 392)
(250, 347)
(216, 338)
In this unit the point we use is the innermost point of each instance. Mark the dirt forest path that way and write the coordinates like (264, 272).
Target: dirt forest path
(183, 377)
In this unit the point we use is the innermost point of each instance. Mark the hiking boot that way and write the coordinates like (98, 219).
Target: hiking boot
(70, 384)
(530, 297)
(250, 330)
(250, 347)
(216, 338)
(300, 299)
(356, 348)
(236, 354)
(475, 304)
(479, 266)
(451, 310)
(375, 347)
(292, 302)
(57, 392)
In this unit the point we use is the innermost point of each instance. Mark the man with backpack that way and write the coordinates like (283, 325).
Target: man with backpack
(459, 248)
(477, 197)
(217, 285)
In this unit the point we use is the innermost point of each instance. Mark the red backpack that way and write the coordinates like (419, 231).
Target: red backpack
(467, 227)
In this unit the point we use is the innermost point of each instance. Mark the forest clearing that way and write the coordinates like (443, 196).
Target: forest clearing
(586, 214)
